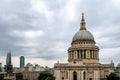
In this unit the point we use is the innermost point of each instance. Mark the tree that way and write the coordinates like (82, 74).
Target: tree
(46, 76)
(113, 76)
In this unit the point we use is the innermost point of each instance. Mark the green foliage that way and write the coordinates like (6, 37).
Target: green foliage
(48, 78)
(113, 76)
(45, 76)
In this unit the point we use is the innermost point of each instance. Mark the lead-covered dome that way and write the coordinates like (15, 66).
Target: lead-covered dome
(83, 34)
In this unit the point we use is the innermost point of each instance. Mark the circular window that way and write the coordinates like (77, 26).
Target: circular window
(74, 62)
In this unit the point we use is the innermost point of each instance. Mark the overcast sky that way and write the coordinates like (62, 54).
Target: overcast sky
(42, 30)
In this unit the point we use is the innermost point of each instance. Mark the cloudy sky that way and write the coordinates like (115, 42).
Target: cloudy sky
(42, 30)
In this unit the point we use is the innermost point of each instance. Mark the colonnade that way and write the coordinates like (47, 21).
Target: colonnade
(83, 54)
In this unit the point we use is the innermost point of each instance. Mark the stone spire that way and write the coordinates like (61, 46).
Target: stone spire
(82, 24)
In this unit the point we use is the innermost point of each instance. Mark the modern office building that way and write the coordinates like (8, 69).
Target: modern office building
(8, 66)
(8, 74)
(8, 58)
(22, 61)
(0, 67)
(83, 59)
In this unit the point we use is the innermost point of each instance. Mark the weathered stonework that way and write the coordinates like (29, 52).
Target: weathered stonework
(83, 59)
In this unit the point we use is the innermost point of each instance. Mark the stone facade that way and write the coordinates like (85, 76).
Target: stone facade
(14, 76)
(83, 59)
(117, 70)
(30, 75)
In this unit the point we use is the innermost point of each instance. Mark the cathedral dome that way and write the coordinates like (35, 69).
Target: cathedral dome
(83, 34)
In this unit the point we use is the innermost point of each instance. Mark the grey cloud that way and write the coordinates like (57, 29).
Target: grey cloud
(114, 58)
(19, 15)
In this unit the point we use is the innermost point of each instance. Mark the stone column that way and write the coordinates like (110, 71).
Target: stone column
(79, 55)
(96, 54)
(92, 54)
(82, 54)
(76, 56)
(96, 75)
(71, 75)
(71, 55)
(79, 75)
(68, 74)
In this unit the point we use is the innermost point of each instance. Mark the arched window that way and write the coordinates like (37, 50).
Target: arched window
(62, 78)
(74, 75)
(90, 79)
(84, 75)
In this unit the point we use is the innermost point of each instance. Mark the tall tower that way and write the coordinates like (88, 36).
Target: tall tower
(8, 58)
(22, 61)
(83, 48)
(8, 66)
